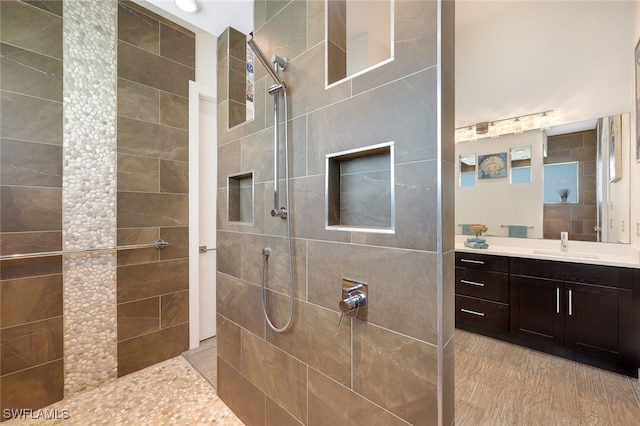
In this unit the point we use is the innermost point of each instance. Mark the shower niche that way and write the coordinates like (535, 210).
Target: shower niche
(240, 198)
(359, 37)
(359, 190)
(240, 78)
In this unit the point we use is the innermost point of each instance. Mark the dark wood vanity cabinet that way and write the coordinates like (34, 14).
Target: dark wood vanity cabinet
(586, 309)
(578, 311)
(482, 293)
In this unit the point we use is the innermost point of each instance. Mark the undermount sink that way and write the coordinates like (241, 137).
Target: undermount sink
(559, 253)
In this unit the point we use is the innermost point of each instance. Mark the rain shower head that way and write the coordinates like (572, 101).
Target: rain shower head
(275, 59)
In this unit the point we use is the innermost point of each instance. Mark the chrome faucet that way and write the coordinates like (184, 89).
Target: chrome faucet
(564, 241)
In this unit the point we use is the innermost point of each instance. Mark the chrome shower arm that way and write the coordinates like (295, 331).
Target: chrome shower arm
(265, 62)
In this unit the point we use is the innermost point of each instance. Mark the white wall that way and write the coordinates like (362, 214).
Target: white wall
(569, 56)
(495, 202)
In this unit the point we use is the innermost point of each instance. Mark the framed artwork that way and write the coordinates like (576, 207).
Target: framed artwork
(615, 148)
(637, 60)
(492, 166)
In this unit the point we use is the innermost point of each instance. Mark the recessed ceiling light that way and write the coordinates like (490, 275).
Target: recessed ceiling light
(190, 6)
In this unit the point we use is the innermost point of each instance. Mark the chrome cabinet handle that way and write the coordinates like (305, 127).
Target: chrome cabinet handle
(570, 303)
(472, 283)
(557, 300)
(480, 314)
(479, 262)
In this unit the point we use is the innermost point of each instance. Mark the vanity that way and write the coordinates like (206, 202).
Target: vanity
(579, 305)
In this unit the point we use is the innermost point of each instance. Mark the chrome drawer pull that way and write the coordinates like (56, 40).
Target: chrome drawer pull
(570, 304)
(480, 262)
(480, 314)
(557, 300)
(472, 283)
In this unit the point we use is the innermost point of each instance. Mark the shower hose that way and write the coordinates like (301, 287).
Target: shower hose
(266, 252)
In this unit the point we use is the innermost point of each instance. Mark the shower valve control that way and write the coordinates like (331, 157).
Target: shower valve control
(354, 300)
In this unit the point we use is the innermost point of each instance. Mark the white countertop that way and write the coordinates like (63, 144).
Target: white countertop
(578, 251)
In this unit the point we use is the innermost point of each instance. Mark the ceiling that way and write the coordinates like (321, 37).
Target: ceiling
(213, 16)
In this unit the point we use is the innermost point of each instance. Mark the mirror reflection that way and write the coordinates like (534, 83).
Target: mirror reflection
(564, 179)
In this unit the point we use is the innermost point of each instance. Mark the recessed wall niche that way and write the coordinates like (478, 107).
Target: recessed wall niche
(241, 80)
(359, 37)
(360, 190)
(240, 198)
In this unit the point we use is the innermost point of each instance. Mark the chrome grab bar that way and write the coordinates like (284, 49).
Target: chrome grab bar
(159, 244)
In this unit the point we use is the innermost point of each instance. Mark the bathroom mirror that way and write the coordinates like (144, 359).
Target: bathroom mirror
(359, 35)
(578, 66)
(572, 159)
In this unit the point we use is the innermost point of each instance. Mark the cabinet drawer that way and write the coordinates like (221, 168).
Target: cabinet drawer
(481, 284)
(483, 262)
(482, 314)
(609, 276)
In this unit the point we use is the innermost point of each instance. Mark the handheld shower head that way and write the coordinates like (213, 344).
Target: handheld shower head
(280, 62)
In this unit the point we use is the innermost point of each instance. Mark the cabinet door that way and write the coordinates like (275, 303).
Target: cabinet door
(599, 321)
(537, 310)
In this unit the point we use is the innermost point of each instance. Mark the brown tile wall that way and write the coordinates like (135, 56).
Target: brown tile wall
(31, 338)
(578, 218)
(156, 60)
(385, 371)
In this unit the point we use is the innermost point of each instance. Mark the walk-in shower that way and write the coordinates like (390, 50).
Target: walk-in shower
(273, 67)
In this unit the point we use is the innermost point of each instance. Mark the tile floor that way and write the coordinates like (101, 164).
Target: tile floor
(168, 393)
(496, 384)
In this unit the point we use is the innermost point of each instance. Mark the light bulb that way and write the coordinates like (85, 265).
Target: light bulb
(544, 121)
(517, 126)
(493, 130)
(190, 6)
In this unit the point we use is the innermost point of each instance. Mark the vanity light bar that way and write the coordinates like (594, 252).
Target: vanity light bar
(514, 125)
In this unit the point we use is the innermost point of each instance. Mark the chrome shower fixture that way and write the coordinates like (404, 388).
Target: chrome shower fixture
(278, 63)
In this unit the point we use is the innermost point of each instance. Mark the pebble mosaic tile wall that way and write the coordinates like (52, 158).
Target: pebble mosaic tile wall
(89, 192)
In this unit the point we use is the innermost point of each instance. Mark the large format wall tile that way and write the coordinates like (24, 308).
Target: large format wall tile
(33, 388)
(30, 73)
(140, 352)
(317, 340)
(30, 209)
(30, 299)
(138, 65)
(138, 101)
(330, 403)
(239, 394)
(30, 119)
(152, 140)
(396, 372)
(152, 279)
(241, 303)
(32, 344)
(31, 28)
(138, 28)
(277, 374)
(30, 164)
(138, 318)
(177, 45)
(137, 209)
(402, 284)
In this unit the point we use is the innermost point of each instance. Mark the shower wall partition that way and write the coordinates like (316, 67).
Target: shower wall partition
(81, 132)
(396, 368)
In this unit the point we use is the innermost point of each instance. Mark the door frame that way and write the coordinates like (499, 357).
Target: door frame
(197, 92)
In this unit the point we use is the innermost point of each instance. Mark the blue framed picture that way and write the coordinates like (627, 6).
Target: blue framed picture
(492, 166)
